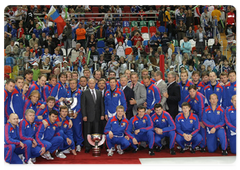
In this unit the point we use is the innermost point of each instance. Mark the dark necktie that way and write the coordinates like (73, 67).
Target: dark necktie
(133, 86)
(93, 95)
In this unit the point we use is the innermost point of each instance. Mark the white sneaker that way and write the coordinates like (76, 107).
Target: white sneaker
(47, 156)
(66, 151)
(33, 160)
(78, 148)
(60, 155)
(30, 161)
(22, 158)
(110, 152)
(119, 150)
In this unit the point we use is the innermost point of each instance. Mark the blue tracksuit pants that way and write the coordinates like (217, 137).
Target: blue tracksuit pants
(195, 140)
(212, 139)
(171, 135)
(122, 141)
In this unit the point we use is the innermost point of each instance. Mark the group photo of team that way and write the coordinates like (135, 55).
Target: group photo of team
(109, 80)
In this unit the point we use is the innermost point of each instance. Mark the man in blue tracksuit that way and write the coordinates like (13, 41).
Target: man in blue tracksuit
(230, 89)
(115, 131)
(205, 81)
(40, 86)
(27, 131)
(164, 126)
(214, 87)
(77, 119)
(8, 90)
(113, 98)
(49, 138)
(187, 127)
(196, 101)
(140, 129)
(230, 120)
(67, 134)
(17, 145)
(184, 84)
(213, 119)
(153, 95)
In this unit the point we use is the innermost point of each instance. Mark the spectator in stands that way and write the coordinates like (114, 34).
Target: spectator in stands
(122, 65)
(135, 9)
(190, 34)
(171, 29)
(93, 52)
(51, 45)
(110, 42)
(102, 9)
(12, 50)
(200, 38)
(114, 66)
(203, 16)
(108, 17)
(181, 30)
(155, 41)
(120, 48)
(216, 46)
(136, 38)
(119, 38)
(231, 20)
(189, 19)
(107, 54)
(219, 57)
(181, 16)
(114, 52)
(43, 41)
(165, 40)
(33, 41)
(186, 46)
(161, 16)
(37, 31)
(101, 32)
(56, 40)
(92, 41)
(80, 32)
(135, 30)
(67, 36)
(216, 12)
(109, 30)
(7, 39)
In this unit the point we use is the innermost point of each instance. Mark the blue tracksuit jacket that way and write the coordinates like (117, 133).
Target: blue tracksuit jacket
(26, 130)
(218, 90)
(44, 91)
(201, 86)
(7, 109)
(184, 91)
(29, 105)
(230, 118)
(230, 90)
(108, 85)
(153, 96)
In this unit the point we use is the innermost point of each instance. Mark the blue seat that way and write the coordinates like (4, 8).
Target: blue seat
(100, 44)
(100, 51)
(129, 43)
(161, 29)
(145, 42)
(110, 49)
(9, 61)
(126, 24)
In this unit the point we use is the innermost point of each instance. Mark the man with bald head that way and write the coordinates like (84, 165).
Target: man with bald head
(18, 146)
(92, 111)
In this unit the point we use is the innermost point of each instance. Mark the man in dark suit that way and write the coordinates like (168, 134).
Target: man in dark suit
(83, 83)
(129, 94)
(92, 111)
(173, 94)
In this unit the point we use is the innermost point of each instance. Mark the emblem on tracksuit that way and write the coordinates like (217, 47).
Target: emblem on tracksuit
(191, 121)
(144, 121)
(195, 101)
(199, 88)
(149, 91)
(218, 112)
(217, 89)
(186, 88)
(54, 128)
(123, 124)
(235, 89)
(163, 120)
(65, 126)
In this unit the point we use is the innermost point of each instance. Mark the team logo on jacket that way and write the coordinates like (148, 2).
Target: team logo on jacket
(122, 124)
(191, 121)
(76, 94)
(54, 128)
(195, 101)
(144, 121)
(65, 126)
(163, 120)
(186, 88)
(149, 91)
(235, 89)
(217, 89)
(218, 112)
(199, 88)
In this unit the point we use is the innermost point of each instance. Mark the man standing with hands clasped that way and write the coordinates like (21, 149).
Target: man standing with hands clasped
(92, 111)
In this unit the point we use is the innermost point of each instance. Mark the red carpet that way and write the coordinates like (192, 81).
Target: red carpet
(126, 158)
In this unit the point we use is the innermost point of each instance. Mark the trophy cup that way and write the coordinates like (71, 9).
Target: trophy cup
(70, 103)
(96, 140)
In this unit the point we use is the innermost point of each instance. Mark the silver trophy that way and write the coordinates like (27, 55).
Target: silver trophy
(70, 103)
(96, 140)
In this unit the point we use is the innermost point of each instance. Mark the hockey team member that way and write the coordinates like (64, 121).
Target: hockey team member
(77, 119)
(144, 72)
(187, 128)
(49, 137)
(113, 98)
(28, 75)
(112, 74)
(115, 131)
(33, 102)
(214, 87)
(67, 134)
(12, 138)
(17, 98)
(9, 87)
(40, 86)
(230, 89)
(140, 129)
(205, 81)
(196, 101)
(230, 119)
(196, 79)
(213, 119)
(184, 84)
(153, 95)
(223, 79)
(27, 131)
(164, 126)
(75, 76)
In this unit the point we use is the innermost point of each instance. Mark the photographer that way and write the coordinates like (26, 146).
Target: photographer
(137, 37)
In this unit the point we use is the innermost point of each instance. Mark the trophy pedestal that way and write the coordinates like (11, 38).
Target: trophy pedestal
(96, 152)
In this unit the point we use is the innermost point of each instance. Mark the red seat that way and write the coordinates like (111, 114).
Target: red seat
(152, 33)
(128, 51)
(95, 9)
(157, 24)
(7, 69)
(153, 29)
(195, 28)
(127, 9)
(144, 29)
(132, 29)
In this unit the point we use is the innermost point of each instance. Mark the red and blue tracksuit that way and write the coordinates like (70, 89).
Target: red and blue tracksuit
(77, 123)
(188, 126)
(153, 81)
(7, 109)
(197, 106)
(184, 92)
(10, 156)
(66, 133)
(44, 91)
(11, 137)
(146, 133)
(118, 85)
(112, 100)
(215, 119)
(166, 123)
(29, 105)
(201, 86)
(230, 90)
(60, 92)
(218, 90)
(17, 102)
(42, 112)
(27, 131)
(49, 137)
(118, 129)
(153, 97)
(230, 120)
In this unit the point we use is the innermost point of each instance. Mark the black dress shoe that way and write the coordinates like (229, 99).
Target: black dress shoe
(87, 150)
(224, 152)
(192, 150)
(158, 148)
(202, 150)
(172, 152)
(151, 152)
(135, 150)
(182, 150)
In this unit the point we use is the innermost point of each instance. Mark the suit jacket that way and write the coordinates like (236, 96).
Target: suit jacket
(140, 95)
(129, 94)
(173, 99)
(162, 86)
(92, 110)
(197, 38)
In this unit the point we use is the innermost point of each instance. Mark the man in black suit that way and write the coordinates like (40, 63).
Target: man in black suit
(129, 94)
(92, 111)
(83, 83)
(173, 94)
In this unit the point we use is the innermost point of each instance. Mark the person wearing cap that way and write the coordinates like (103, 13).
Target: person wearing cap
(81, 32)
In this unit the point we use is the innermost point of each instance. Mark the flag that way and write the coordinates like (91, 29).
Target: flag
(57, 19)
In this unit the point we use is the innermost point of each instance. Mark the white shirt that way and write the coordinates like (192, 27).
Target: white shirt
(123, 88)
(158, 82)
(93, 92)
